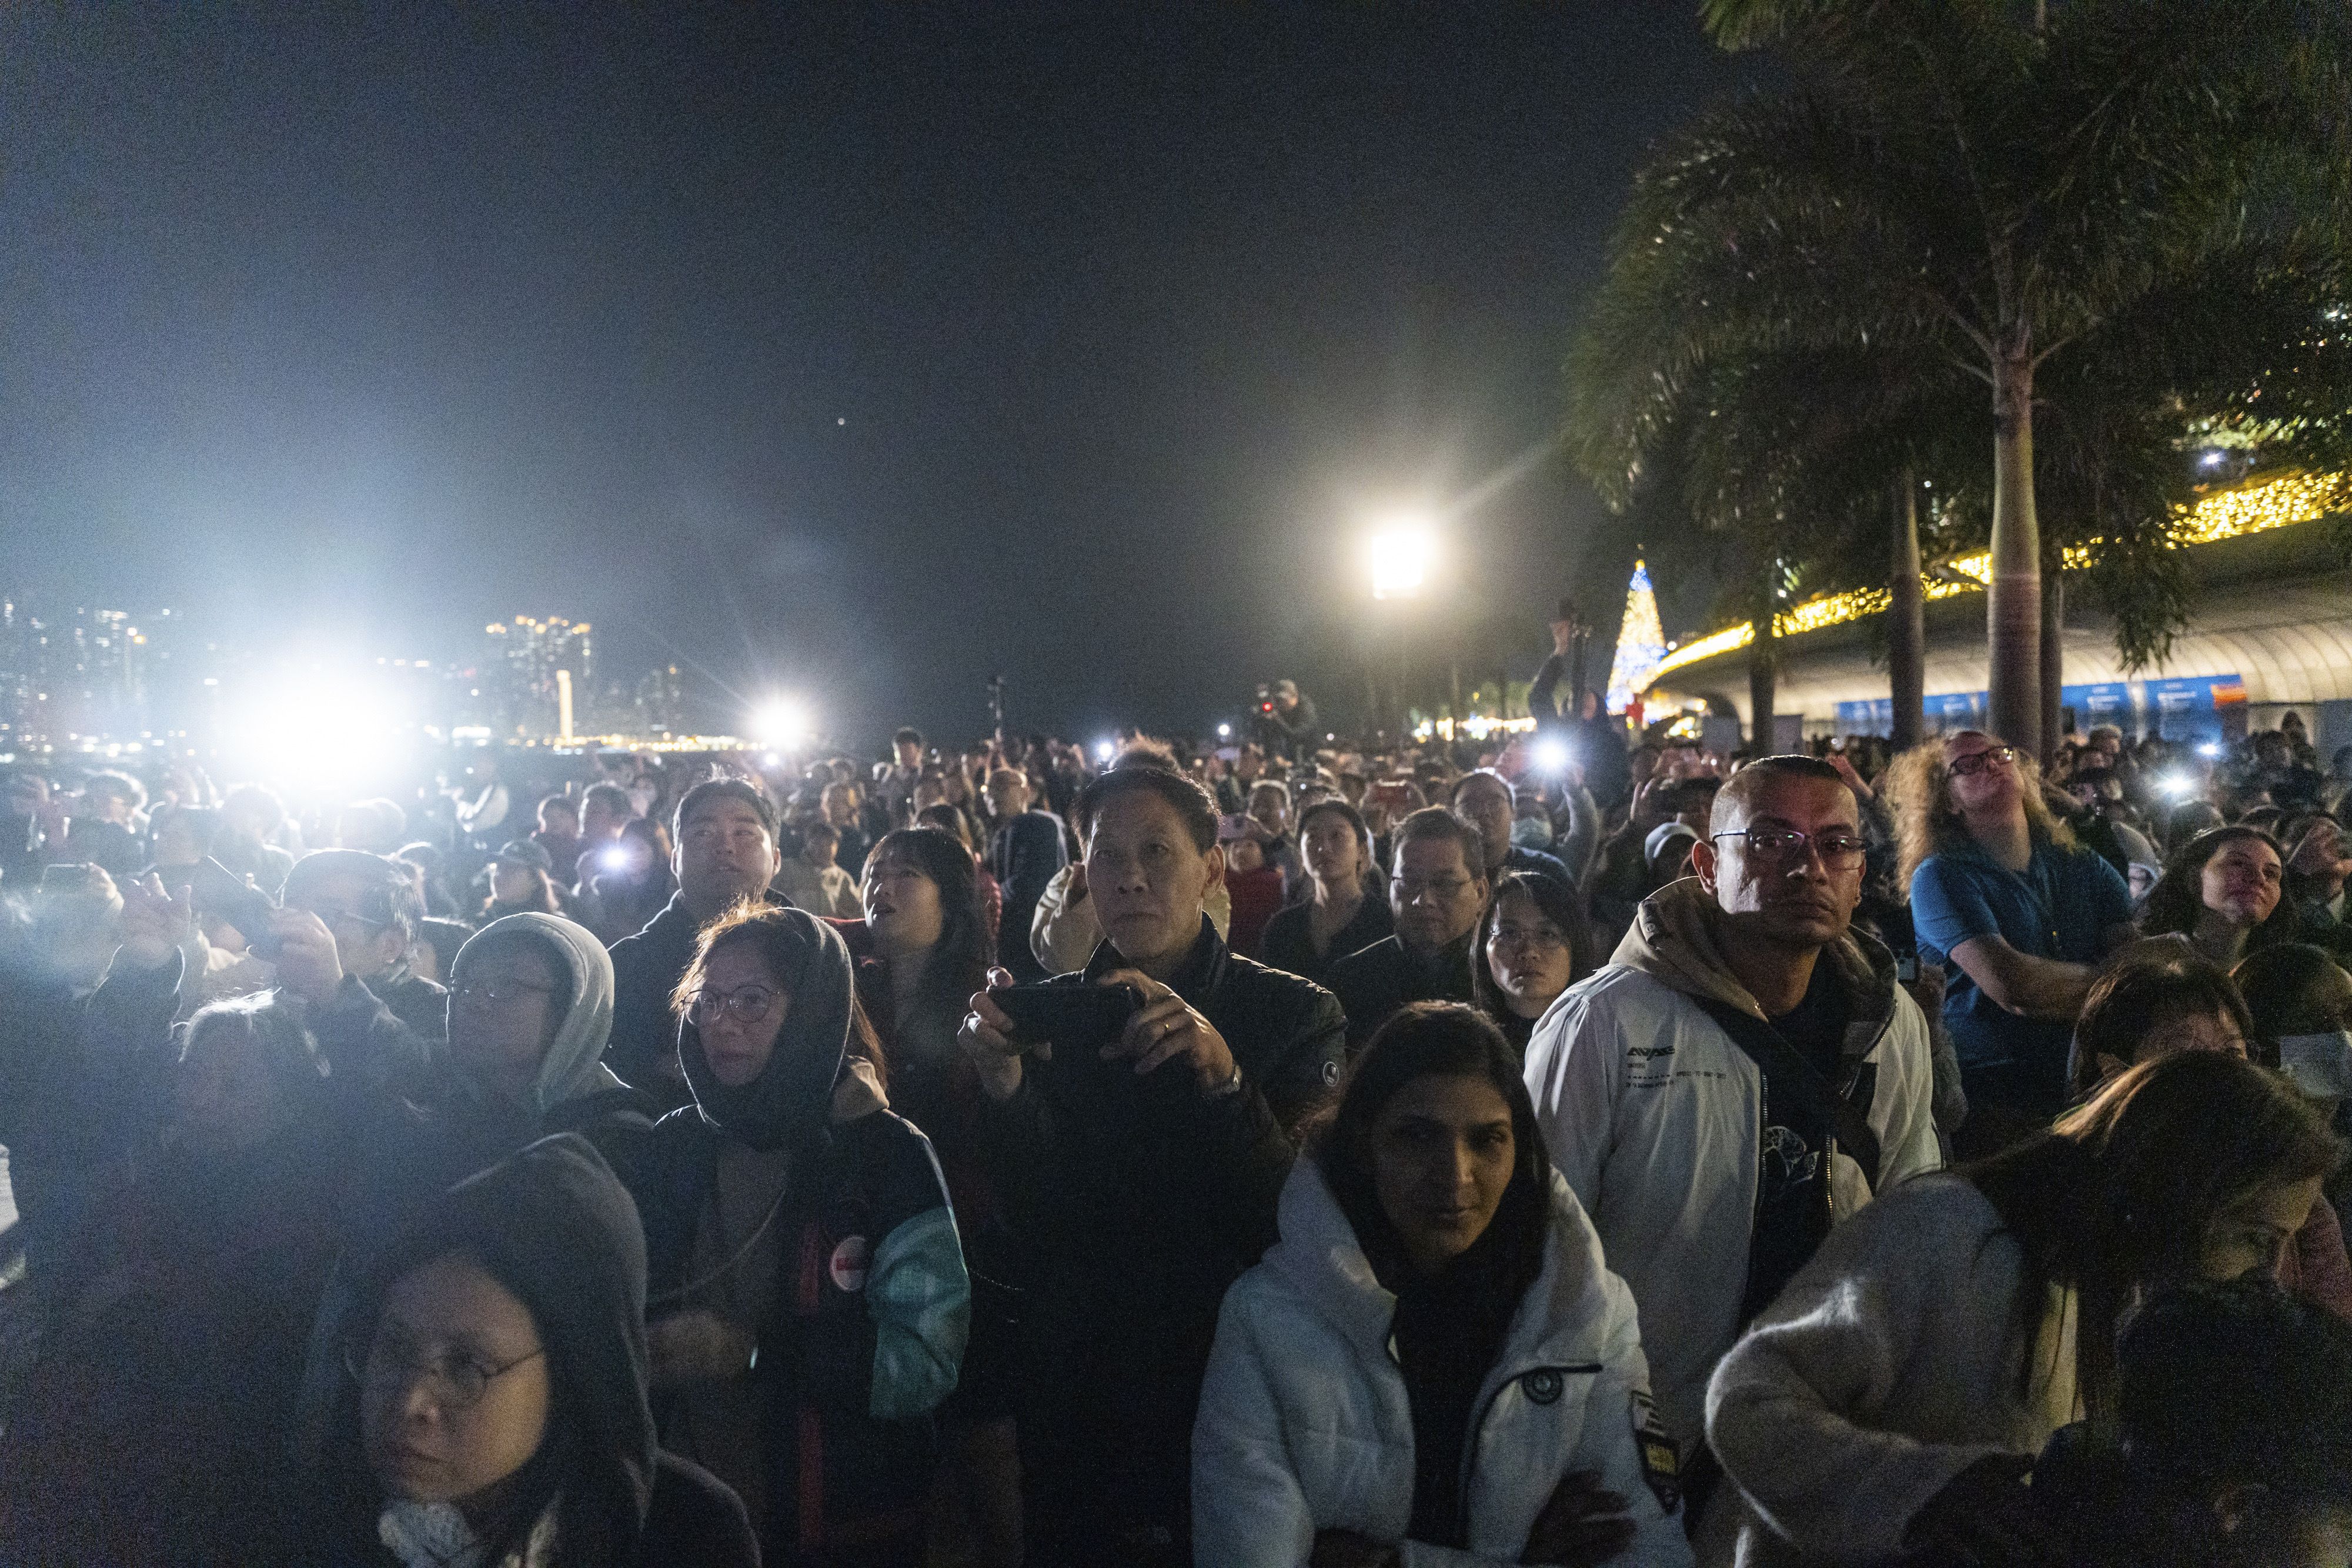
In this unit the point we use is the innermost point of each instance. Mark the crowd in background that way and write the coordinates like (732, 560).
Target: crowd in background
(1573, 1147)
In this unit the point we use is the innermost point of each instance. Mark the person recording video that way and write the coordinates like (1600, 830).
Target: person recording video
(1285, 721)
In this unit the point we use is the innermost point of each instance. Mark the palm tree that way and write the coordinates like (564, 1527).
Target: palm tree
(1982, 187)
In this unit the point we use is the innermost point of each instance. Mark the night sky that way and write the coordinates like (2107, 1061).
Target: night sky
(858, 351)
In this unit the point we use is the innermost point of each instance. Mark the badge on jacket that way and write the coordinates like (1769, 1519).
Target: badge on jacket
(1661, 1463)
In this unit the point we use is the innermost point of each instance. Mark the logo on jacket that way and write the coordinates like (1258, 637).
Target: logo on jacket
(1543, 1385)
(849, 1263)
(1660, 1460)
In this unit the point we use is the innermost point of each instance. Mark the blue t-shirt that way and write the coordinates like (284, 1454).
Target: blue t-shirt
(2061, 906)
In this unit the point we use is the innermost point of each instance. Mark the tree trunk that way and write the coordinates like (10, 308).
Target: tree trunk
(2053, 657)
(1906, 621)
(1763, 683)
(2013, 610)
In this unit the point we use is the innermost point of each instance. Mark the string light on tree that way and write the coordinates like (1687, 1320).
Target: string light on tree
(1641, 645)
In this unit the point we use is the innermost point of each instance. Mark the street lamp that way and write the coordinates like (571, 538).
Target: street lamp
(1398, 558)
(781, 723)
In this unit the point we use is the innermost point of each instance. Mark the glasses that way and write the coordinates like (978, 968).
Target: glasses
(1976, 762)
(748, 1004)
(458, 1382)
(1412, 889)
(1540, 938)
(498, 989)
(1839, 851)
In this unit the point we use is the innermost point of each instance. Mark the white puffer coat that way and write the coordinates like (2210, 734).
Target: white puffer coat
(1305, 1425)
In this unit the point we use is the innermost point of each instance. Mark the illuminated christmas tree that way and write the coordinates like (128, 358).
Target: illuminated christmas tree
(1640, 645)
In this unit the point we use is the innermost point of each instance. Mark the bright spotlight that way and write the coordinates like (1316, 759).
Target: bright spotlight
(319, 732)
(1104, 751)
(1224, 732)
(2176, 784)
(781, 723)
(1551, 755)
(2208, 748)
(1400, 558)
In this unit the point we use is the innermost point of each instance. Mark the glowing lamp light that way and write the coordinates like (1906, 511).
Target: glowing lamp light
(1224, 732)
(318, 732)
(780, 723)
(1400, 560)
(1104, 751)
(2208, 748)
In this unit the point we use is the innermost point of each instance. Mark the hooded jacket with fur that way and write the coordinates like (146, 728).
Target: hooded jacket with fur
(1656, 1118)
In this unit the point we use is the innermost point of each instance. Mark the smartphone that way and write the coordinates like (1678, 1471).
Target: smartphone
(1079, 1019)
(1392, 793)
(1906, 970)
(217, 890)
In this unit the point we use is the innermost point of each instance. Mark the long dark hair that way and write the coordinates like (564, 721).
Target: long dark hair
(957, 962)
(1437, 1039)
(1555, 904)
(2121, 1193)
(2174, 904)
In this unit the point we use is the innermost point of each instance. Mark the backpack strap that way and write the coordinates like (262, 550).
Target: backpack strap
(1791, 1075)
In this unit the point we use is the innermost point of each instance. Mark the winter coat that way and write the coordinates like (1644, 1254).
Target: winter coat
(556, 1228)
(1656, 1118)
(1289, 943)
(1372, 985)
(429, 1125)
(867, 1300)
(1025, 854)
(1893, 1361)
(1137, 1203)
(1305, 1424)
(84, 1080)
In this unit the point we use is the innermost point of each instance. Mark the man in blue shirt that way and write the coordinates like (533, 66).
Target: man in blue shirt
(2022, 918)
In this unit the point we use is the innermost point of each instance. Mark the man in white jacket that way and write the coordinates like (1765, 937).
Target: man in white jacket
(1710, 1179)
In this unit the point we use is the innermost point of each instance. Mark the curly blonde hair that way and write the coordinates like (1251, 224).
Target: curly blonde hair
(1919, 787)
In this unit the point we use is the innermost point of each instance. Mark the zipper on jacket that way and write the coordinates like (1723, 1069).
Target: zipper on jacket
(1486, 1408)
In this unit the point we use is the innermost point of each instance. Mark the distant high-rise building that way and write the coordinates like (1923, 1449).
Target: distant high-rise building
(519, 672)
(661, 701)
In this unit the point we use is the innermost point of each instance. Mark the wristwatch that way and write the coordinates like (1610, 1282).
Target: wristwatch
(1229, 1086)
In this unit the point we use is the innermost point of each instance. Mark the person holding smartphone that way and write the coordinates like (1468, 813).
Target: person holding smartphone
(1140, 1168)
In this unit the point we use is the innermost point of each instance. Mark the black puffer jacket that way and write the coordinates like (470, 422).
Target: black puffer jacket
(1134, 1209)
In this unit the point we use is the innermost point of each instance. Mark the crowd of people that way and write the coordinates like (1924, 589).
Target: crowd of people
(1574, 1147)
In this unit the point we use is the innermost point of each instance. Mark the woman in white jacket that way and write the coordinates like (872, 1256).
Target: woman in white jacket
(1433, 1365)
(1895, 1395)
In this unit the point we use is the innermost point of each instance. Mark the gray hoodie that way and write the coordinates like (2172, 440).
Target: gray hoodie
(575, 1064)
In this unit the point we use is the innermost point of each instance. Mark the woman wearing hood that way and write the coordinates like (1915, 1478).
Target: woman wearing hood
(530, 1011)
(490, 1397)
(810, 1300)
(1433, 1365)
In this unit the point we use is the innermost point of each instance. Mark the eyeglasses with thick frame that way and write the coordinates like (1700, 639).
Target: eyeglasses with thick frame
(1976, 762)
(1838, 851)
